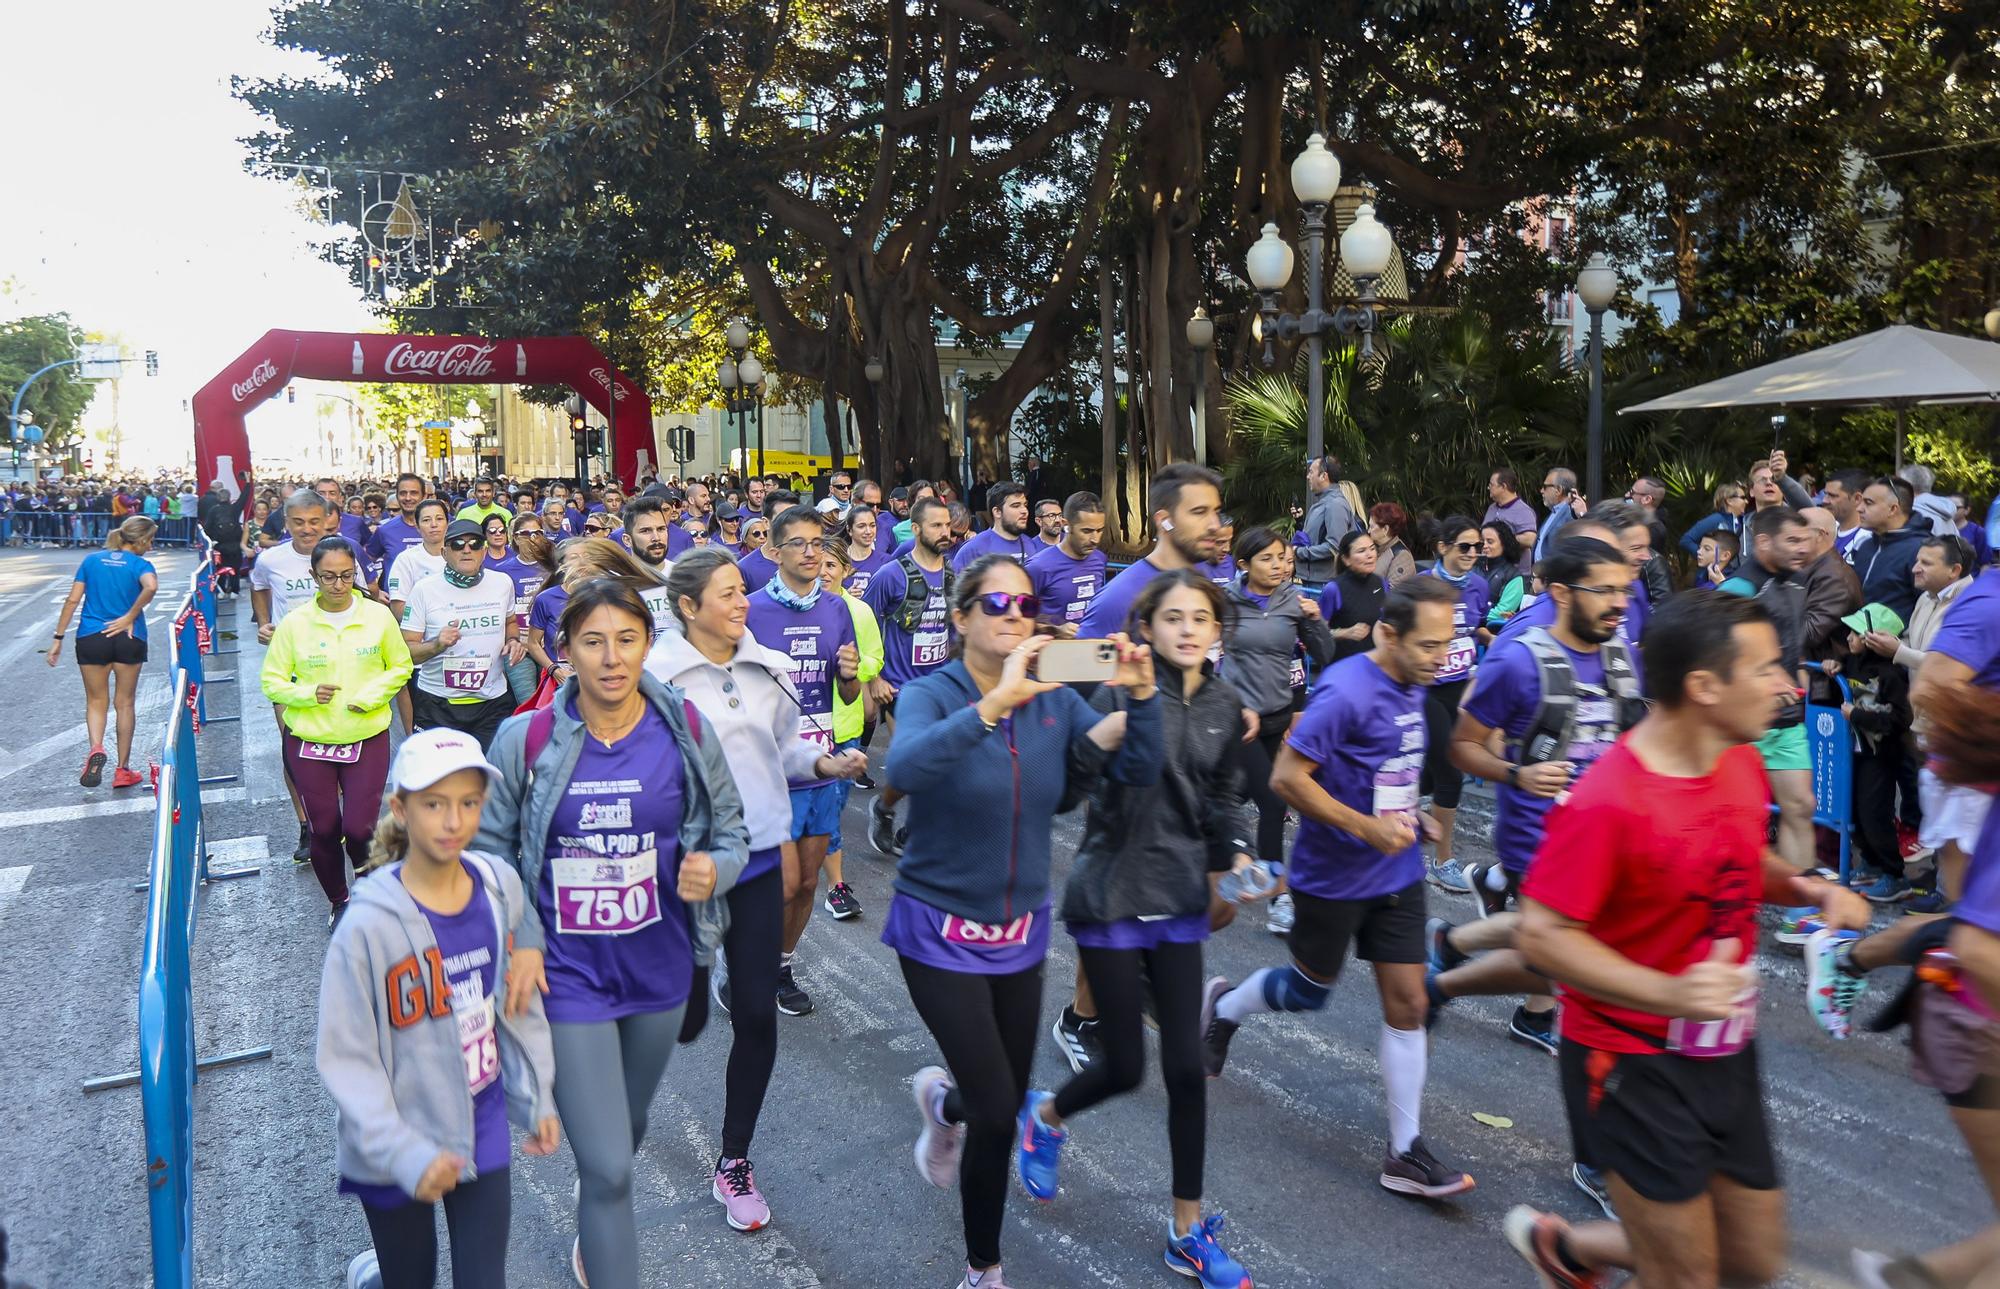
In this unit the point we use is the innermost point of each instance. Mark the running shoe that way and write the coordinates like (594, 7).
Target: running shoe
(1929, 902)
(1798, 924)
(735, 1188)
(1198, 1255)
(987, 1279)
(302, 853)
(364, 1271)
(124, 778)
(333, 918)
(1447, 876)
(576, 1261)
(1831, 990)
(93, 768)
(1279, 920)
(1537, 1237)
(864, 783)
(1490, 901)
(1041, 1146)
(841, 903)
(1417, 1172)
(1909, 845)
(1592, 1183)
(1076, 1038)
(718, 985)
(1880, 1271)
(1215, 1031)
(1535, 1029)
(792, 1000)
(1888, 890)
(882, 832)
(939, 1144)
(1439, 956)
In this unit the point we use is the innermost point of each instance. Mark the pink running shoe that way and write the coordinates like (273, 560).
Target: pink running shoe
(736, 1190)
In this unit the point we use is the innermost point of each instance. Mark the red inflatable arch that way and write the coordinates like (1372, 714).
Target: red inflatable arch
(222, 442)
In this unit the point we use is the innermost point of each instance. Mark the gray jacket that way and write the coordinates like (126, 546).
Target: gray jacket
(1328, 520)
(1262, 645)
(392, 1064)
(515, 823)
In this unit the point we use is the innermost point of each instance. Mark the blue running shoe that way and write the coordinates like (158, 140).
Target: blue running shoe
(1198, 1256)
(1041, 1147)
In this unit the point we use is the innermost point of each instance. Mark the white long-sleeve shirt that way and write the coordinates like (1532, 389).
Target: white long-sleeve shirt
(751, 707)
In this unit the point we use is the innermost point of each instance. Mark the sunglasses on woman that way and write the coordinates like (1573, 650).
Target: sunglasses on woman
(996, 603)
(1466, 548)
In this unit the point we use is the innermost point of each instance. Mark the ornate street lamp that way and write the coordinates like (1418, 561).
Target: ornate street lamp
(1597, 287)
(1201, 338)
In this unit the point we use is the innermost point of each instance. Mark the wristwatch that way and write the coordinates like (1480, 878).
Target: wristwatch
(1513, 776)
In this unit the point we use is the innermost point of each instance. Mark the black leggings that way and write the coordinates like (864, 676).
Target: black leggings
(756, 926)
(1256, 759)
(986, 1027)
(475, 1213)
(1115, 981)
(1441, 778)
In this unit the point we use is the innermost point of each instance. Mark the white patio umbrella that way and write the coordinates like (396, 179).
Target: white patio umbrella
(1895, 367)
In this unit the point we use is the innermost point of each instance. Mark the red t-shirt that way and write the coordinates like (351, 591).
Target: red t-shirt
(1658, 868)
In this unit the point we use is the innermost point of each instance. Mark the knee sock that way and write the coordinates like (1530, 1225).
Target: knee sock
(1405, 1061)
(1272, 989)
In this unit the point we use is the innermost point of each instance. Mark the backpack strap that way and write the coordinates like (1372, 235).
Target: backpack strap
(1547, 737)
(693, 719)
(1621, 679)
(917, 592)
(540, 725)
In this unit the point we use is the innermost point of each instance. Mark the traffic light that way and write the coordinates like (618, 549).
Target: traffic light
(576, 424)
(152, 362)
(680, 442)
(595, 440)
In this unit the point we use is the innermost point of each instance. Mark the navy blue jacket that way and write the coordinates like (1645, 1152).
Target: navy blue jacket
(982, 804)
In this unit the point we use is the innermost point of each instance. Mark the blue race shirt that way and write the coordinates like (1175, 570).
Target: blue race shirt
(111, 581)
(1970, 632)
(1112, 605)
(907, 655)
(757, 568)
(1366, 734)
(1222, 572)
(865, 569)
(994, 542)
(1466, 617)
(1066, 587)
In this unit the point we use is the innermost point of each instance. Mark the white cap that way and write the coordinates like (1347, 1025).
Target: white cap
(829, 506)
(431, 755)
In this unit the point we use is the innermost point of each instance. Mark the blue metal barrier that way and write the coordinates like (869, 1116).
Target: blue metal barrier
(1832, 745)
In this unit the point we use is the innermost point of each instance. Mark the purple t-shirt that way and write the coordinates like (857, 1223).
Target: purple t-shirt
(1222, 572)
(885, 531)
(865, 569)
(1066, 586)
(467, 941)
(1505, 699)
(1970, 632)
(757, 569)
(1516, 514)
(994, 542)
(939, 939)
(617, 937)
(679, 541)
(392, 537)
(907, 655)
(527, 579)
(811, 639)
(1366, 734)
(546, 612)
(1466, 617)
(1107, 613)
(1141, 933)
(1980, 904)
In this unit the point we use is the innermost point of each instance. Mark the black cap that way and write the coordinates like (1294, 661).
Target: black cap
(465, 528)
(899, 494)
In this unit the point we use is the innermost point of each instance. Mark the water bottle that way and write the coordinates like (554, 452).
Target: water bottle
(1250, 882)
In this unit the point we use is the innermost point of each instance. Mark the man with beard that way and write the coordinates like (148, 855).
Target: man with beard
(1558, 696)
(1008, 504)
(1048, 523)
(1186, 502)
(911, 598)
(1068, 575)
(1781, 542)
(397, 533)
(701, 506)
(648, 532)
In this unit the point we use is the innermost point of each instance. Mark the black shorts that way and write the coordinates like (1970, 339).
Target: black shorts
(1666, 1123)
(481, 720)
(100, 650)
(1386, 928)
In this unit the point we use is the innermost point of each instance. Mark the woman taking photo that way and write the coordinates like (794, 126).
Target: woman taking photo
(970, 918)
(1500, 565)
(112, 587)
(1458, 547)
(1138, 897)
(1272, 622)
(619, 812)
(1351, 604)
(334, 667)
(859, 533)
(744, 693)
(1389, 525)
(425, 1069)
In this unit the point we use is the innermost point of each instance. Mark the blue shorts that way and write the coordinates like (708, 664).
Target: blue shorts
(816, 810)
(846, 787)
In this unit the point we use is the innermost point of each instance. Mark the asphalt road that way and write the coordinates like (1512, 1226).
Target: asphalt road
(1296, 1126)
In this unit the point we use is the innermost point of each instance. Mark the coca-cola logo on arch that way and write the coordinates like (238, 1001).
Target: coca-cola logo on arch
(261, 375)
(461, 359)
(603, 377)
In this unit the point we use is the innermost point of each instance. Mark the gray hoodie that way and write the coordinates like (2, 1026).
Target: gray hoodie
(400, 1089)
(515, 822)
(1258, 658)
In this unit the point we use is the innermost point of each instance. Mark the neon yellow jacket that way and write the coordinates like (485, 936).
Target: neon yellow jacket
(366, 656)
(850, 718)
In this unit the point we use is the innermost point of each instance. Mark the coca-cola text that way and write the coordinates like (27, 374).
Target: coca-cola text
(462, 359)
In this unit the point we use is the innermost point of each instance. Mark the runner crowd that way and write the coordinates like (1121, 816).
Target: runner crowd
(632, 724)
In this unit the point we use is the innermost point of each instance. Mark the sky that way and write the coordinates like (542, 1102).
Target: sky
(128, 206)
